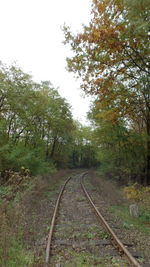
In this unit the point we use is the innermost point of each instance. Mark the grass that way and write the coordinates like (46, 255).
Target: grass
(141, 223)
(93, 233)
(5, 190)
(103, 235)
(80, 198)
(12, 250)
(16, 255)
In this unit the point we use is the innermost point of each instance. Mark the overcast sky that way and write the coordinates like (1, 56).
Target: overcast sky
(30, 35)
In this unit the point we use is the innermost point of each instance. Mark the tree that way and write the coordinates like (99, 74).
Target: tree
(120, 150)
(36, 124)
(83, 151)
(112, 56)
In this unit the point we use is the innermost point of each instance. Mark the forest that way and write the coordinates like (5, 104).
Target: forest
(37, 131)
(112, 58)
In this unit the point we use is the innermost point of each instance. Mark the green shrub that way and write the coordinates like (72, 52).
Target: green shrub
(15, 157)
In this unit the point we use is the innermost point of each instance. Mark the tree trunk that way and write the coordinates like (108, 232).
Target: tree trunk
(148, 163)
(148, 152)
(53, 147)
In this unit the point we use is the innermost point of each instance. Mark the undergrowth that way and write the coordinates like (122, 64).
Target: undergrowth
(20, 203)
(139, 194)
(12, 250)
(142, 223)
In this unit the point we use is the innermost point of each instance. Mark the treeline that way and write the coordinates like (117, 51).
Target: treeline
(112, 57)
(37, 131)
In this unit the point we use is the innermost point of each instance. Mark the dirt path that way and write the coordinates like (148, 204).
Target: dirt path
(79, 240)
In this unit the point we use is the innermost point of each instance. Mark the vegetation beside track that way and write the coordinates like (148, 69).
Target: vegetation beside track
(13, 251)
(139, 195)
(120, 197)
(23, 218)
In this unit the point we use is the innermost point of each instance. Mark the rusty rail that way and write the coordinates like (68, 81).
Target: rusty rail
(48, 248)
(114, 239)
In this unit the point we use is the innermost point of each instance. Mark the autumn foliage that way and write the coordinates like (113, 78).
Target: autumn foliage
(112, 56)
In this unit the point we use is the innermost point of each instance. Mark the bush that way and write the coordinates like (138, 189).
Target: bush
(20, 156)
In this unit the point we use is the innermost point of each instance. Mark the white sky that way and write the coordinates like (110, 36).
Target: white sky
(30, 35)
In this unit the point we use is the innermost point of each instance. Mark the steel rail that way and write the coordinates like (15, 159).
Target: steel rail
(114, 239)
(49, 242)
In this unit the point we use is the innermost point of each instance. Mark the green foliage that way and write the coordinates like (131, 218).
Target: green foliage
(120, 149)
(83, 151)
(37, 131)
(35, 123)
(30, 159)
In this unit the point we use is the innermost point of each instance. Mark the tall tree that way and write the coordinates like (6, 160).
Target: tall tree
(35, 122)
(112, 56)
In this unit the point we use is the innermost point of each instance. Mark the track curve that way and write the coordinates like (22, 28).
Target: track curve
(49, 242)
(113, 237)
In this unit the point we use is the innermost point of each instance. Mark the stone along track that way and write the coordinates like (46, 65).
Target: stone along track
(76, 237)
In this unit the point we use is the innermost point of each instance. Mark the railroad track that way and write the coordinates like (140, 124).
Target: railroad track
(122, 250)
